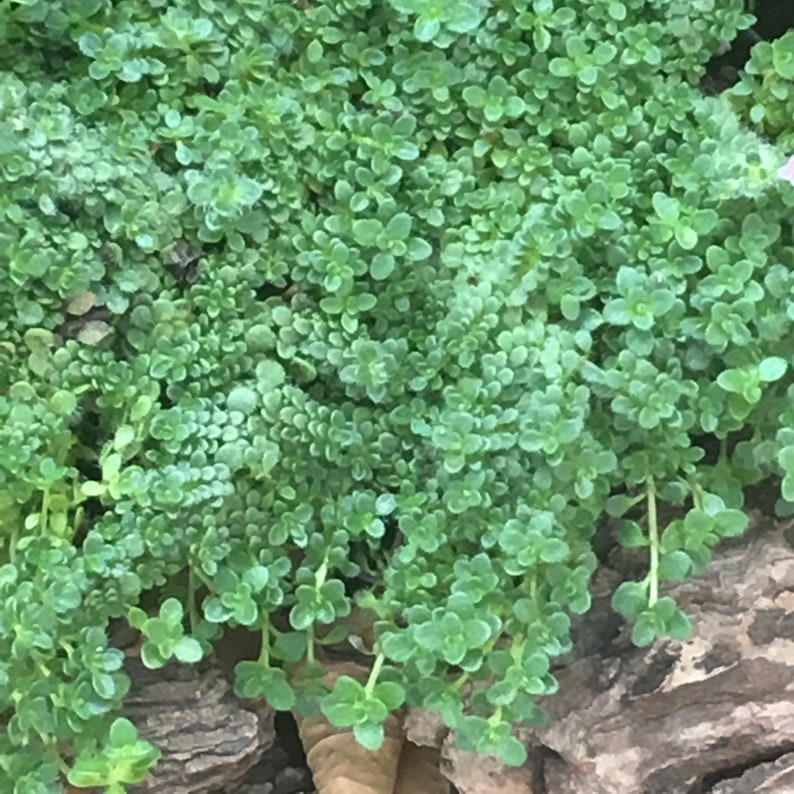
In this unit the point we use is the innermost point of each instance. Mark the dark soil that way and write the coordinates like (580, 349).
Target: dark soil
(282, 769)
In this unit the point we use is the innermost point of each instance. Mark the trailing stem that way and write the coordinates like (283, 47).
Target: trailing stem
(653, 538)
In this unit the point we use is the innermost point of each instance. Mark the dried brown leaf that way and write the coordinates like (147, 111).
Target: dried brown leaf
(339, 764)
(419, 771)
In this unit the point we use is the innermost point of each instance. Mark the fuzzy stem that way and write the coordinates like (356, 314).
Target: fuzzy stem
(264, 651)
(310, 645)
(45, 510)
(496, 717)
(192, 611)
(374, 673)
(653, 537)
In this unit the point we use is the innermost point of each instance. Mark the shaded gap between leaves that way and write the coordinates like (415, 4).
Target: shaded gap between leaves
(774, 18)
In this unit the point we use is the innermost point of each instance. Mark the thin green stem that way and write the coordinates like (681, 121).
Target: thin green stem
(653, 537)
(264, 650)
(78, 517)
(45, 509)
(697, 495)
(12, 544)
(322, 573)
(192, 610)
(319, 581)
(310, 645)
(373, 675)
(517, 647)
(42, 668)
(496, 717)
(459, 682)
(204, 579)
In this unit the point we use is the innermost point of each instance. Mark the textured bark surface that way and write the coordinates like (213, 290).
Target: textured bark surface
(208, 739)
(712, 714)
(776, 777)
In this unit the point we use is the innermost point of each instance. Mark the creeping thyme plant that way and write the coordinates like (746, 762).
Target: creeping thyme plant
(308, 305)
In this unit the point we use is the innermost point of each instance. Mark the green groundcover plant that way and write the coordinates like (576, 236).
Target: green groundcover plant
(307, 304)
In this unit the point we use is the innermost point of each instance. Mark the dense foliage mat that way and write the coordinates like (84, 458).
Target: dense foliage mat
(314, 303)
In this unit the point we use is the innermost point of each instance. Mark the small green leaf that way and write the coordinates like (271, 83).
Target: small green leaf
(254, 679)
(426, 28)
(390, 693)
(398, 646)
(92, 488)
(630, 599)
(242, 399)
(257, 577)
(512, 752)
(122, 732)
(733, 380)
(142, 406)
(678, 625)
(554, 550)
(619, 504)
(686, 237)
(399, 227)
(675, 565)
(111, 466)
(171, 611)
(125, 435)
(270, 375)
(385, 504)
(188, 650)
(643, 632)
(339, 713)
(369, 735)
(772, 368)
(475, 95)
(366, 231)
(783, 58)
(666, 207)
(787, 488)
(562, 67)
(152, 657)
(419, 249)
(104, 685)
(382, 266)
(631, 535)
(136, 617)
(63, 402)
(314, 52)
(290, 646)
(730, 523)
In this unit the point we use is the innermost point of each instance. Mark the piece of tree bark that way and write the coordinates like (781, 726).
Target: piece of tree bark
(208, 739)
(709, 714)
(677, 716)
